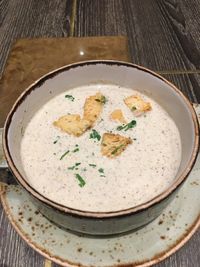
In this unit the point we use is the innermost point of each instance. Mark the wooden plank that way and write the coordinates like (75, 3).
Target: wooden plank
(191, 12)
(159, 33)
(180, 24)
(24, 19)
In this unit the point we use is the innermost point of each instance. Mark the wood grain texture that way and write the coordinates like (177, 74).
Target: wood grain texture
(160, 34)
(30, 18)
(24, 19)
(191, 12)
(176, 22)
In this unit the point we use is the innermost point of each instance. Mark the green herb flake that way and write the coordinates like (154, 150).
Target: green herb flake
(64, 154)
(119, 128)
(70, 97)
(71, 168)
(103, 99)
(75, 166)
(75, 150)
(133, 108)
(93, 165)
(58, 137)
(128, 126)
(95, 135)
(116, 149)
(80, 179)
(101, 170)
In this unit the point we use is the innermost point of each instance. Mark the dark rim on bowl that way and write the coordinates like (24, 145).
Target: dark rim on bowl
(110, 214)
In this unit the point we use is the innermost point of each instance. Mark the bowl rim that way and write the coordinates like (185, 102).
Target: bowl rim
(90, 214)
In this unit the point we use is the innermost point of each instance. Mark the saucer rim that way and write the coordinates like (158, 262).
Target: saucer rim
(146, 263)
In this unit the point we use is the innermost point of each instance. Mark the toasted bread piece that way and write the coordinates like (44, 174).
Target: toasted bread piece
(117, 115)
(137, 105)
(113, 145)
(93, 107)
(72, 124)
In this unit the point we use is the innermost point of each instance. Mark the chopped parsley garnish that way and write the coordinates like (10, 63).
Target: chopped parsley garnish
(93, 165)
(71, 168)
(75, 166)
(64, 154)
(101, 170)
(128, 126)
(75, 150)
(95, 135)
(58, 137)
(80, 179)
(116, 149)
(133, 108)
(70, 97)
(103, 99)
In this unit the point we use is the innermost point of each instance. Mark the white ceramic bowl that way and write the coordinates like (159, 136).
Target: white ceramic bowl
(123, 74)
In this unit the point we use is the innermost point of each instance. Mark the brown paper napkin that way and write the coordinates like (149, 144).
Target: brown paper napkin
(29, 59)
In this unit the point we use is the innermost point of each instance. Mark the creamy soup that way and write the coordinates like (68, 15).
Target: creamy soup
(72, 171)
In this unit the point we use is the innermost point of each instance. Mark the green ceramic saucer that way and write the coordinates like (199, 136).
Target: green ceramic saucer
(145, 247)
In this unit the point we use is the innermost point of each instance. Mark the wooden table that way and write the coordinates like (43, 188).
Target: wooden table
(163, 36)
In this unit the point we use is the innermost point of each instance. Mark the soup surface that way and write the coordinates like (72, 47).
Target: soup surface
(72, 171)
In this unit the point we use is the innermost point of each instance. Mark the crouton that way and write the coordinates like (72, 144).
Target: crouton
(117, 115)
(114, 144)
(72, 124)
(93, 107)
(137, 105)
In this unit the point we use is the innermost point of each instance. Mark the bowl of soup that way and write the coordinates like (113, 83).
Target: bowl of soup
(102, 147)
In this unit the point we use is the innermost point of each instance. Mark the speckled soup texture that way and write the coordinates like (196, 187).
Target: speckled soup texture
(141, 172)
